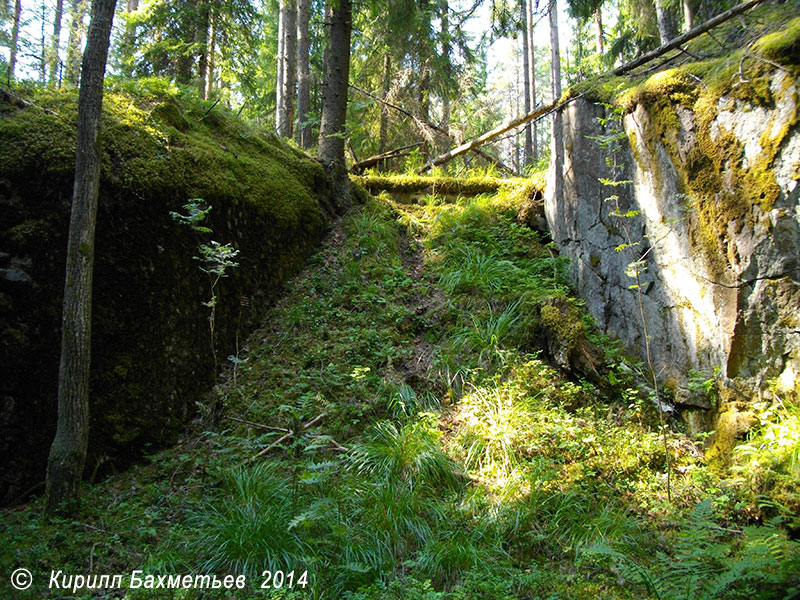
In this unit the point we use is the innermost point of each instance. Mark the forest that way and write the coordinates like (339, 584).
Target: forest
(400, 299)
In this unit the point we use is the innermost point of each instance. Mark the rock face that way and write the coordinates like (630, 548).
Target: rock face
(151, 352)
(711, 208)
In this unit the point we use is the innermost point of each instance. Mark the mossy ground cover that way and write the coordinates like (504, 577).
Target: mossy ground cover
(436, 452)
(152, 357)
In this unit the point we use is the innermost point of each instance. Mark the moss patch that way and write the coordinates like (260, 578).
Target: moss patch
(151, 349)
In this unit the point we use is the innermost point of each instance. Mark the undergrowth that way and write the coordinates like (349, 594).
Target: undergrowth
(396, 429)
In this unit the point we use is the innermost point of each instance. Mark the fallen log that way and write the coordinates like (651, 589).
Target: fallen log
(358, 167)
(423, 123)
(689, 35)
(558, 105)
(473, 144)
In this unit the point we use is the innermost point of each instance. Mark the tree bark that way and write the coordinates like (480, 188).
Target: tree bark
(532, 61)
(338, 19)
(279, 65)
(212, 48)
(557, 136)
(288, 67)
(598, 22)
(527, 158)
(444, 17)
(334, 87)
(688, 15)
(55, 42)
(303, 74)
(203, 17)
(68, 452)
(666, 26)
(12, 58)
(384, 123)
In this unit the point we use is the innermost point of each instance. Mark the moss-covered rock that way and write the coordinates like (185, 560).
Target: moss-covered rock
(152, 357)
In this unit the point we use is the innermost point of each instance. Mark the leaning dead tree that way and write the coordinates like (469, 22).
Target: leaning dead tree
(689, 35)
(425, 124)
(359, 166)
(474, 144)
(496, 132)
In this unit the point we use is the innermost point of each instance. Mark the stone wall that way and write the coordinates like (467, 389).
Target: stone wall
(714, 198)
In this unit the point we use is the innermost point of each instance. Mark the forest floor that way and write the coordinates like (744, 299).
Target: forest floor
(397, 429)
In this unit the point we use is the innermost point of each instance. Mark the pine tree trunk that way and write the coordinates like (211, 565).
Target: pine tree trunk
(12, 59)
(43, 48)
(212, 48)
(68, 452)
(688, 15)
(201, 38)
(527, 157)
(598, 22)
(666, 29)
(384, 124)
(288, 66)
(557, 137)
(444, 17)
(55, 42)
(532, 76)
(303, 74)
(76, 31)
(280, 65)
(338, 17)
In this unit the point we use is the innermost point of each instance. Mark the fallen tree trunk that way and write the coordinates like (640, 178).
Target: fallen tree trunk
(546, 110)
(373, 160)
(689, 35)
(423, 123)
(497, 132)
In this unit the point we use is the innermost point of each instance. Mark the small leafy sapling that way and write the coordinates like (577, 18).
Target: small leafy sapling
(217, 259)
(612, 142)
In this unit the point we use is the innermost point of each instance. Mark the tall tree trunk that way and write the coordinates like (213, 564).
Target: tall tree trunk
(527, 157)
(201, 38)
(76, 31)
(666, 28)
(384, 124)
(338, 17)
(532, 61)
(12, 58)
(303, 74)
(212, 48)
(598, 22)
(279, 65)
(43, 47)
(444, 17)
(128, 39)
(688, 15)
(288, 66)
(557, 137)
(55, 42)
(68, 452)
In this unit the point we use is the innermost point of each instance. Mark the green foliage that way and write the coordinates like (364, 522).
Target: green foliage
(411, 454)
(247, 529)
(451, 461)
(704, 562)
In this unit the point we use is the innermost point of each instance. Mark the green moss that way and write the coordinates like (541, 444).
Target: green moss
(151, 351)
(782, 46)
(712, 172)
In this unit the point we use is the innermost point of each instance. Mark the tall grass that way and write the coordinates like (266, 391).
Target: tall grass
(247, 529)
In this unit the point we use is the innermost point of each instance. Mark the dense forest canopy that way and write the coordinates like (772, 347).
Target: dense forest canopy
(457, 68)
